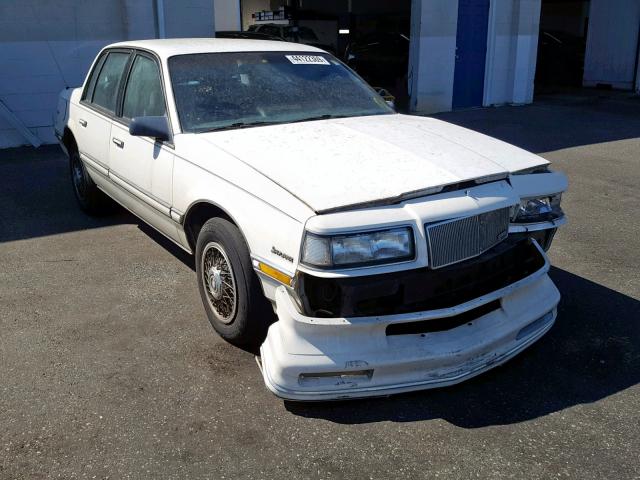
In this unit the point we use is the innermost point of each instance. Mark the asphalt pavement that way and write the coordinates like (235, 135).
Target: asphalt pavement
(109, 368)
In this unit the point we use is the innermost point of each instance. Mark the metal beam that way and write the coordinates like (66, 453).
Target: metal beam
(160, 18)
(19, 126)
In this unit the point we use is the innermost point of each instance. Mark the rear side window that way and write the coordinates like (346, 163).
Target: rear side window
(143, 96)
(105, 92)
(91, 84)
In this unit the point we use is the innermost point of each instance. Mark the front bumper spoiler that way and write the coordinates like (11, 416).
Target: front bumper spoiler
(314, 359)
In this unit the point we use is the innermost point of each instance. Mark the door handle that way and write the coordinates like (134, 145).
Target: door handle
(82, 122)
(119, 143)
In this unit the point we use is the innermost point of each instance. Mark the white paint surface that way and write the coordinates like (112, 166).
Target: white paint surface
(333, 163)
(297, 345)
(432, 54)
(612, 43)
(512, 47)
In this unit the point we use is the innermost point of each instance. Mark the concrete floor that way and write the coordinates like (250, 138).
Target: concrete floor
(109, 368)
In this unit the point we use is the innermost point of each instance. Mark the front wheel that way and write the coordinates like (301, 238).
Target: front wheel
(231, 292)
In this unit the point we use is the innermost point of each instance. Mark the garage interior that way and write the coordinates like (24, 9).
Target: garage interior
(561, 45)
(371, 36)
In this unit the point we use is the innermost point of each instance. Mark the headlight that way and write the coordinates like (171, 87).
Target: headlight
(538, 209)
(358, 249)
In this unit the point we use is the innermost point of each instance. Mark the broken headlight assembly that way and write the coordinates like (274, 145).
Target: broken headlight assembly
(537, 209)
(358, 249)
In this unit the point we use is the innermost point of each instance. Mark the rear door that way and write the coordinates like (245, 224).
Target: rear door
(142, 166)
(98, 108)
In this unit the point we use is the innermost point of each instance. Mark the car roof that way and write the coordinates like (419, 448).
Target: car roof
(181, 46)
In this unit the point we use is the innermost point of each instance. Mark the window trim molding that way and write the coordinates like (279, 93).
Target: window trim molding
(142, 53)
(117, 115)
(95, 72)
(100, 63)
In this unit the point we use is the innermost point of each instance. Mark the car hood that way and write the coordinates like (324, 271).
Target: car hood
(344, 163)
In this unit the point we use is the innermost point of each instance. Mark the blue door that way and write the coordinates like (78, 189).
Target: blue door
(471, 52)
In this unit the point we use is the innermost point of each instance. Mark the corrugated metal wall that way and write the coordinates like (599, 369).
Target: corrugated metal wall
(46, 45)
(510, 60)
(612, 43)
(432, 55)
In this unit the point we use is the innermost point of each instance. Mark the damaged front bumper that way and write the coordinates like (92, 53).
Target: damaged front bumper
(311, 358)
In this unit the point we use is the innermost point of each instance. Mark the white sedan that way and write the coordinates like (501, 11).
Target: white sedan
(397, 252)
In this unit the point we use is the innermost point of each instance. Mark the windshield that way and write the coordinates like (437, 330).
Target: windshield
(215, 91)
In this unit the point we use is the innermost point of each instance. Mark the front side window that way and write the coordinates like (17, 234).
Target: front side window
(105, 92)
(215, 91)
(143, 96)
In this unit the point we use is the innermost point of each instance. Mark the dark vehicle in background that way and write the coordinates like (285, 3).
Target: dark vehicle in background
(382, 59)
(290, 33)
(246, 35)
(560, 59)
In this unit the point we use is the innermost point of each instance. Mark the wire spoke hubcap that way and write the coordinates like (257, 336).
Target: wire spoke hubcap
(219, 282)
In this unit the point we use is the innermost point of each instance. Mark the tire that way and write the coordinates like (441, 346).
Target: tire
(230, 290)
(91, 199)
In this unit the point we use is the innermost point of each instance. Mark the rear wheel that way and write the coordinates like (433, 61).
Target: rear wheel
(90, 198)
(231, 292)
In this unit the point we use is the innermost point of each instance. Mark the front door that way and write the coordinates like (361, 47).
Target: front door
(471, 53)
(142, 166)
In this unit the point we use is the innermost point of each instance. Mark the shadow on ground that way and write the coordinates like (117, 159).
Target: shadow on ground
(37, 199)
(555, 122)
(592, 352)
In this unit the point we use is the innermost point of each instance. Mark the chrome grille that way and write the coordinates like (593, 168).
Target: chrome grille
(456, 240)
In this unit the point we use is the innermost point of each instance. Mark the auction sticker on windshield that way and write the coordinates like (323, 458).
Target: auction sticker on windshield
(307, 60)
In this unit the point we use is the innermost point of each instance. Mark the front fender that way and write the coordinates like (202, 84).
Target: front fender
(272, 234)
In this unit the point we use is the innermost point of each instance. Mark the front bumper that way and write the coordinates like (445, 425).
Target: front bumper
(308, 358)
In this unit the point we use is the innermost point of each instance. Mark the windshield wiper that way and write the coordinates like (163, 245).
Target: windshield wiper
(238, 125)
(319, 117)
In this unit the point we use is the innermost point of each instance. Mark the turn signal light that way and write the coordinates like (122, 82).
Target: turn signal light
(275, 274)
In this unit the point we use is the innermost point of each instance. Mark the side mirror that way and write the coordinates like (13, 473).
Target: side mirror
(155, 127)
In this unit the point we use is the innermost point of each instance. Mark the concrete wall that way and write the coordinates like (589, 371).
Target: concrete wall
(227, 13)
(188, 18)
(46, 46)
(512, 47)
(432, 54)
(512, 44)
(612, 43)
